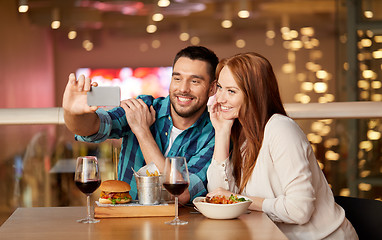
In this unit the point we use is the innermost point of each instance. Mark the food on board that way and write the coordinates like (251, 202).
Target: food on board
(114, 192)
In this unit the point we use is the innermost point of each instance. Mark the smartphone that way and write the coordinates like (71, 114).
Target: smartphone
(104, 96)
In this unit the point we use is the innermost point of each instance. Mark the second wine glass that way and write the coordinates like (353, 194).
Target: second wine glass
(176, 182)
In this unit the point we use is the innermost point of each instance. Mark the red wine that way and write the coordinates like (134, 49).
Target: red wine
(176, 188)
(89, 186)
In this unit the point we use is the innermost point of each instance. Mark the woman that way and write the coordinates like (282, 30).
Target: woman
(270, 159)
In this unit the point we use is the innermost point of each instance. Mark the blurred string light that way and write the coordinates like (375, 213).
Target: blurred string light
(244, 9)
(23, 6)
(72, 34)
(378, 39)
(240, 43)
(195, 40)
(368, 13)
(55, 18)
(184, 35)
(143, 47)
(364, 187)
(163, 3)
(157, 17)
(270, 34)
(227, 16)
(88, 45)
(155, 43)
(151, 27)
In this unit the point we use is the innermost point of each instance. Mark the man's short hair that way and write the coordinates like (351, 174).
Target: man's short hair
(200, 53)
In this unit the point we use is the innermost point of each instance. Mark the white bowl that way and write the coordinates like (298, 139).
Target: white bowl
(221, 211)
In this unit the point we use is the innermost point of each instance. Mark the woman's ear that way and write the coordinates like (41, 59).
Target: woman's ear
(212, 88)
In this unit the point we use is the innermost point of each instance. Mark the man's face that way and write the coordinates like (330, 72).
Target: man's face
(190, 87)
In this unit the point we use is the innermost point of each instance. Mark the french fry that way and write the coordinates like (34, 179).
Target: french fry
(149, 174)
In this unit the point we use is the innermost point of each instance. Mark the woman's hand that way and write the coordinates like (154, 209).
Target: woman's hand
(218, 121)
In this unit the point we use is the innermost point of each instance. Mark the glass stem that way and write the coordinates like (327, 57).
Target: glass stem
(88, 204)
(176, 207)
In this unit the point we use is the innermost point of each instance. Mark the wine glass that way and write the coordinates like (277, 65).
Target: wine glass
(176, 181)
(87, 180)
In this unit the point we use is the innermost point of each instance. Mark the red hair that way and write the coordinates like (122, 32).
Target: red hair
(255, 77)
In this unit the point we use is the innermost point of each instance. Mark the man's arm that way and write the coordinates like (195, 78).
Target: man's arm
(79, 117)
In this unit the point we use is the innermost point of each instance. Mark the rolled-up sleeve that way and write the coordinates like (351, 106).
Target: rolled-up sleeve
(219, 174)
(103, 131)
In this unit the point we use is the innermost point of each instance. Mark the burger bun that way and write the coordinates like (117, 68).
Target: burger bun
(115, 186)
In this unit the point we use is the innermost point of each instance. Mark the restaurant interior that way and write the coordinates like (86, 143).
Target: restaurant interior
(322, 51)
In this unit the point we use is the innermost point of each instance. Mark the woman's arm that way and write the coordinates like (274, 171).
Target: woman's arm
(291, 156)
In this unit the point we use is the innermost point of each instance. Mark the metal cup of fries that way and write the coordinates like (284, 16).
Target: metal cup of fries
(148, 186)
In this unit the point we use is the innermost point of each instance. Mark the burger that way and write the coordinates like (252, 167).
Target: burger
(114, 191)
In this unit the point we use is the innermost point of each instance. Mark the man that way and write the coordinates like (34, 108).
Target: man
(151, 129)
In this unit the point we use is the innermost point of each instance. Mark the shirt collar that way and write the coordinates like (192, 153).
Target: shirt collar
(165, 111)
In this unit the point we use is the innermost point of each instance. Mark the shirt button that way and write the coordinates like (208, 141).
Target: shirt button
(226, 180)
(223, 165)
(169, 118)
(165, 133)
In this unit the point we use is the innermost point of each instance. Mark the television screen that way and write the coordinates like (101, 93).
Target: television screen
(153, 81)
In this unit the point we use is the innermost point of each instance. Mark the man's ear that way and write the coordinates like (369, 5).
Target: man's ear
(212, 88)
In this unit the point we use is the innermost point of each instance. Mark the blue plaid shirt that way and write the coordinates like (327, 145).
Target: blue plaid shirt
(195, 143)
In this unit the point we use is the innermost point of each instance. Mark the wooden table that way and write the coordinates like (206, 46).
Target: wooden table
(60, 223)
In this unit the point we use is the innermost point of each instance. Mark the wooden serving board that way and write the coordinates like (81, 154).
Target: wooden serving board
(133, 210)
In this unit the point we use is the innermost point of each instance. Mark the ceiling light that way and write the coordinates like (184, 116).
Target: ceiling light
(72, 34)
(243, 14)
(184, 36)
(151, 28)
(307, 31)
(155, 43)
(226, 23)
(368, 74)
(366, 42)
(320, 87)
(163, 3)
(376, 84)
(227, 16)
(88, 45)
(270, 34)
(23, 6)
(305, 99)
(195, 40)
(296, 45)
(378, 39)
(240, 43)
(157, 17)
(307, 86)
(329, 97)
(376, 97)
(322, 74)
(368, 14)
(244, 11)
(55, 19)
(293, 34)
(377, 54)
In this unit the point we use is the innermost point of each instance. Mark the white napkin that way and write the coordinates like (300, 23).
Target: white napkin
(151, 167)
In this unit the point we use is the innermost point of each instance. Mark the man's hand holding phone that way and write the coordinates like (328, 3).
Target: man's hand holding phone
(82, 96)
(75, 95)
